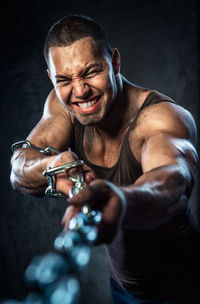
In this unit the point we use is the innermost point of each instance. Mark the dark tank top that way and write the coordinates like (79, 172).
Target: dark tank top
(155, 262)
(126, 170)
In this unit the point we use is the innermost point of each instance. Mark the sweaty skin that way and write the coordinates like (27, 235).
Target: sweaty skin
(90, 87)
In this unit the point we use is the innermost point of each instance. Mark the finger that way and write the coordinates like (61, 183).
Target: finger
(89, 174)
(63, 184)
(63, 158)
(84, 196)
(73, 172)
(87, 169)
(113, 210)
(96, 193)
(89, 177)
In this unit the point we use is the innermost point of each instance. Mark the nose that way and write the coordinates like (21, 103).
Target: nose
(80, 88)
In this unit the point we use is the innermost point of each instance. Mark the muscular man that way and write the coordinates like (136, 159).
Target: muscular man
(139, 155)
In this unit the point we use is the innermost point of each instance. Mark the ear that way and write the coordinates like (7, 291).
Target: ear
(116, 61)
(49, 74)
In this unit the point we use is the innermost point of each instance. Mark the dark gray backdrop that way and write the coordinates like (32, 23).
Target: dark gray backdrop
(158, 42)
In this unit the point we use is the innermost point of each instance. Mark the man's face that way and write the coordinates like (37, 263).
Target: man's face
(84, 80)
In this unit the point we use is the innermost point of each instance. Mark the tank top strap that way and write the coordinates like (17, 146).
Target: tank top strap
(77, 143)
(129, 169)
(155, 97)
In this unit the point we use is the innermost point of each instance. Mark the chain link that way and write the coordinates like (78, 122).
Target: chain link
(27, 145)
(56, 273)
(50, 173)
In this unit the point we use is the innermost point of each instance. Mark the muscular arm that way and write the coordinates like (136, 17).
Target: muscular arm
(54, 129)
(163, 142)
(168, 158)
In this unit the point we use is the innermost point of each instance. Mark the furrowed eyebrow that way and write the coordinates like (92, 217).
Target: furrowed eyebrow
(92, 66)
(63, 77)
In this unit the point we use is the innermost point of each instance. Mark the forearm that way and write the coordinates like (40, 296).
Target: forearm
(156, 197)
(27, 168)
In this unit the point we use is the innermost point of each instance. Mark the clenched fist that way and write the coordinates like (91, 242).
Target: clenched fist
(104, 196)
(63, 184)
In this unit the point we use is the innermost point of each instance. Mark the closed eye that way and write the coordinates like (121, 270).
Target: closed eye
(63, 81)
(91, 74)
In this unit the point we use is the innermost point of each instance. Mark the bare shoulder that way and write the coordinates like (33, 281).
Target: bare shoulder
(162, 117)
(166, 117)
(158, 123)
(55, 128)
(53, 107)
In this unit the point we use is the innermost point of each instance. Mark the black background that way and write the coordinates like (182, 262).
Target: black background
(158, 42)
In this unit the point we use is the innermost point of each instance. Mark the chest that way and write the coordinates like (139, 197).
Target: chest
(103, 153)
(106, 152)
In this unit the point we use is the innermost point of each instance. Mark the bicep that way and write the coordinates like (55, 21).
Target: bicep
(55, 127)
(169, 135)
(164, 149)
(171, 160)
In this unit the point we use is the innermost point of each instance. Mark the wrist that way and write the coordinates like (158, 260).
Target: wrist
(127, 201)
(46, 162)
(119, 192)
(123, 199)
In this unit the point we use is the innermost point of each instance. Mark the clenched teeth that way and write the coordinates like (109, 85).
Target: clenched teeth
(86, 105)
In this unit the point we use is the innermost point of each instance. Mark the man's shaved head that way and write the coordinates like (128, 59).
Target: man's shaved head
(72, 28)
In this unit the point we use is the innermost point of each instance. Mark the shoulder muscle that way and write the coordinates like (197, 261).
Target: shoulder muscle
(165, 134)
(55, 127)
(166, 118)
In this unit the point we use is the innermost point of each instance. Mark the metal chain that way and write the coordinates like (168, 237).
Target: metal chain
(55, 274)
(51, 172)
(27, 145)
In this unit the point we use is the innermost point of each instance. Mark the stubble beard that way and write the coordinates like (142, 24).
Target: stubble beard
(89, 119)
(96, 118)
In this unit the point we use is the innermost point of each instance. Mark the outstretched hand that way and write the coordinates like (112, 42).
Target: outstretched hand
(104, 196)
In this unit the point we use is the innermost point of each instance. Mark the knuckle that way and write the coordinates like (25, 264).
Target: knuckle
(68, 156)
(63, 158)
